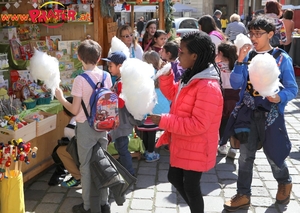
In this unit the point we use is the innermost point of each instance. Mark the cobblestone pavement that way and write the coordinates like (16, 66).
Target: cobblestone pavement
(154, 194)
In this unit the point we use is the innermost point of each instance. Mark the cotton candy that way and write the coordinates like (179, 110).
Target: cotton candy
(138, 90)
(263, 74)
(45, 68)
(118, 45)
(166, 68)
(240, 41)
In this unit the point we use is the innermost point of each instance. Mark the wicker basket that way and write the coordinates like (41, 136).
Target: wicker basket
(45, 100)
(30, 105)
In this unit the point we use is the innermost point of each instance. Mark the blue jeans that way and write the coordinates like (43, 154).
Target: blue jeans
(247, 157)
(121, 145)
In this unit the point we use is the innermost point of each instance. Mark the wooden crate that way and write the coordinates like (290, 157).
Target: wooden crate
(45, 125)
(27, 133)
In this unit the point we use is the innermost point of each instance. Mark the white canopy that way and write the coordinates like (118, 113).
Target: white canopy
(152, 8)
(289, 6)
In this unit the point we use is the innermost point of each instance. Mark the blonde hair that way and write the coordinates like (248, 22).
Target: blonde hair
(131, 31)
(152, 57)
(235, 17)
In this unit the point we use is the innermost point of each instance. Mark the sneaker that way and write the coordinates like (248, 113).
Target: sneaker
(55, 179)
(223, 149)
(236, 202)
(80, 209)
(145, 154)
(231, 153)
(152, 157)
(71, 183)
(105, 208)
(283, 193)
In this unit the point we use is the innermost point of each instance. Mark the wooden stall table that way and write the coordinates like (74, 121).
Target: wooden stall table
(46, 142)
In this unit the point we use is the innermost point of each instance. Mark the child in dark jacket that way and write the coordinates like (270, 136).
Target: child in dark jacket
(169, 53)
(121, 133)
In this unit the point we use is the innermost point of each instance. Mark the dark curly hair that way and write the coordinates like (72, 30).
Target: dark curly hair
(199, 43)
(229, 52)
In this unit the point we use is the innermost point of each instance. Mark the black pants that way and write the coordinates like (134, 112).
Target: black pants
(187, 184)
(149, 140)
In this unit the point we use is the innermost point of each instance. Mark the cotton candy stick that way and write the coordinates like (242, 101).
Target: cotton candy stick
(16, 162)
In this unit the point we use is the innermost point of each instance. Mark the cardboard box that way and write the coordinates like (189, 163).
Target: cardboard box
(47, 124)
(27, 133)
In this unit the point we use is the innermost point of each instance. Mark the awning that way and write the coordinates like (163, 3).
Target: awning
(152, 8)
(292, 7)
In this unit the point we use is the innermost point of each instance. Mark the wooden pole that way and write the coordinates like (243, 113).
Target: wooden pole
(132, 17)
(161, 17)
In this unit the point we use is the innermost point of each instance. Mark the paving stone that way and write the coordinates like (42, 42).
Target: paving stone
(68, 203)
(142, 204)
(147, 171)
(163, 176)
(34, 194)
(53, 198)
(165, 187)
(165, 199)
(46, 208)
(143, 193)
(38, 185)
(145, 182)
(217, 202)
(30, 205)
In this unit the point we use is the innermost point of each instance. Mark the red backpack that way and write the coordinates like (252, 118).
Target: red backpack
(104, 109)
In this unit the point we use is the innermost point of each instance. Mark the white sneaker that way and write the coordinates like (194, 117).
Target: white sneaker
(231, 153)
(223, 149)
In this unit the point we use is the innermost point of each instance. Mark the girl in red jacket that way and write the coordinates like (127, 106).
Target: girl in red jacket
(192, 125)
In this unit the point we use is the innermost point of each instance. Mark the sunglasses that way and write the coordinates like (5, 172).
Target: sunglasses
(126, 36)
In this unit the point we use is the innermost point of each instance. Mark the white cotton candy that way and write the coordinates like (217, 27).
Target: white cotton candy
(166, 68)
(240, 41)
(118, 45)
(263, 74)
(138, 90)
(45, 68)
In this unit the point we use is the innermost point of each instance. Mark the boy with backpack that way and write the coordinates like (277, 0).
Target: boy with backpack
(121, 133)
(263, 118)
(89, 53)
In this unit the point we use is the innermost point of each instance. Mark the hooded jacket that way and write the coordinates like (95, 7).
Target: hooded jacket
(192, 126)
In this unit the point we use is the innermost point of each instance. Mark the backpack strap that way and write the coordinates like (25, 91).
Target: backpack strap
(71, 126)
(277, 54)
(93, 85)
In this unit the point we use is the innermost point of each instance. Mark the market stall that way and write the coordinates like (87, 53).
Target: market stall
(26, 108)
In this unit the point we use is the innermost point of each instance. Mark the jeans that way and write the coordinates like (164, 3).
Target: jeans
(247, 157)
(187, 184)
(121, 145)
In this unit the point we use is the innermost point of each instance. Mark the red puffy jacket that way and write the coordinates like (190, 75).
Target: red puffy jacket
(192, 126)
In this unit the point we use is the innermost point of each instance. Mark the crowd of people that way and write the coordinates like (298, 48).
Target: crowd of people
(205, 93)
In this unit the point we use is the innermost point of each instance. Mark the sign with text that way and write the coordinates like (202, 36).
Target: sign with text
(54, 15)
